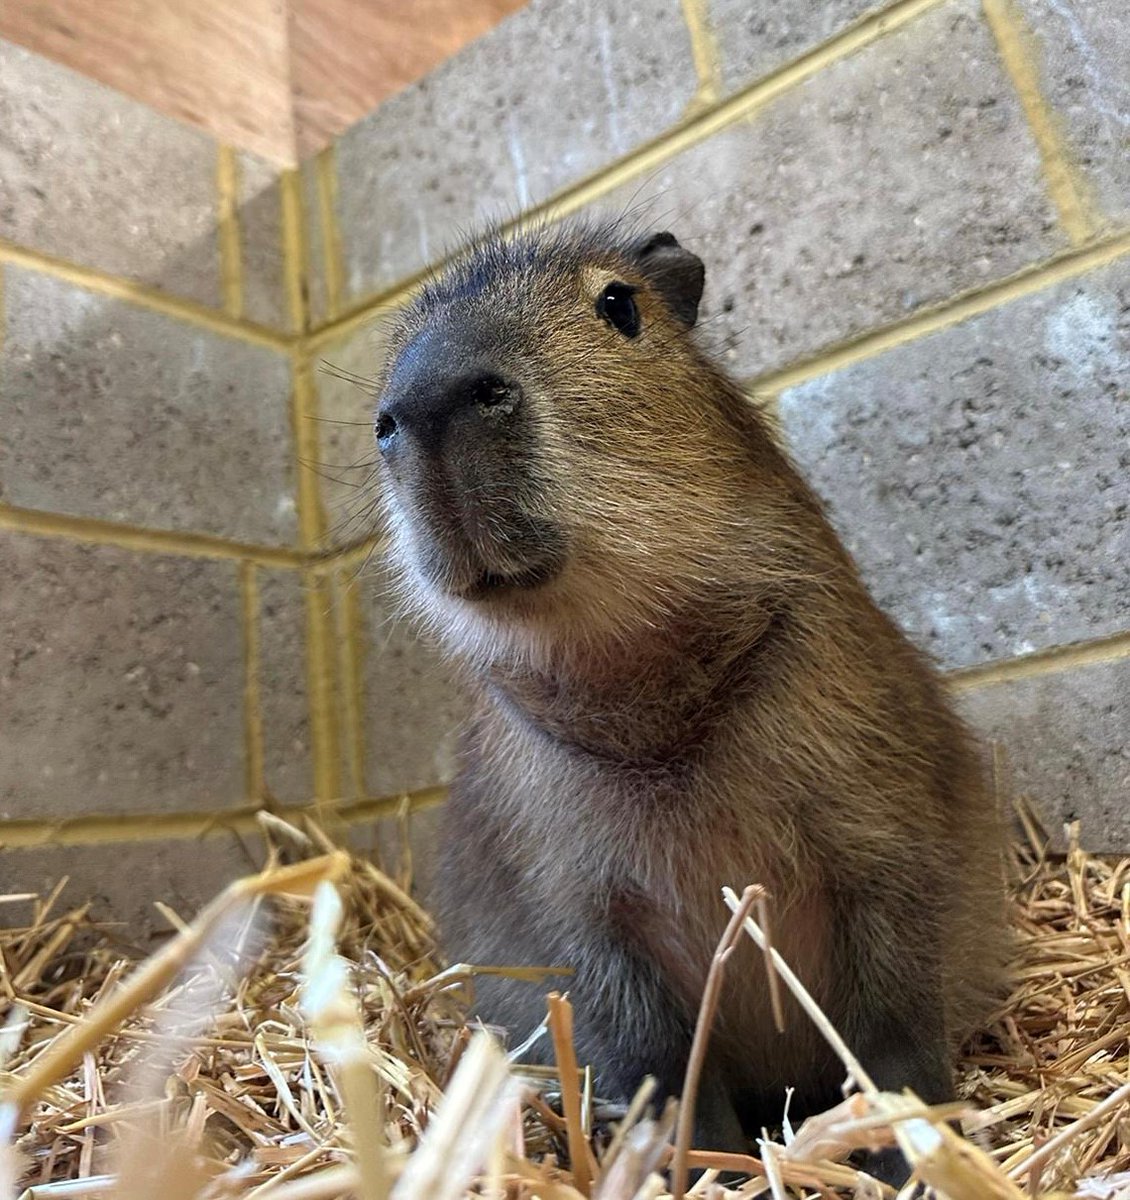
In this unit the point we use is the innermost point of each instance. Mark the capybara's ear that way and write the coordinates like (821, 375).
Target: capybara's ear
(676, 273)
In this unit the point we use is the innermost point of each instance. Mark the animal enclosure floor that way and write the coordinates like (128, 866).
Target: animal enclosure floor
(241, 1080)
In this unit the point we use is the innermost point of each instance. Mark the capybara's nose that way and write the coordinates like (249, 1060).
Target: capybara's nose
(426, 408)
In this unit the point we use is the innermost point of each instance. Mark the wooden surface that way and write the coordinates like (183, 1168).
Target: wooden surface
(279, 79)
(349, 55)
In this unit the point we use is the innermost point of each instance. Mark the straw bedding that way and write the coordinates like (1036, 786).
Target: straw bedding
(259, 1053)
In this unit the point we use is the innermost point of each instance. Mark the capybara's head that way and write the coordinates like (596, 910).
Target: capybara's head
(557, 454)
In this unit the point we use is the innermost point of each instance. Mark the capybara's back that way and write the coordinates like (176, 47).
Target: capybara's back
(680, 683)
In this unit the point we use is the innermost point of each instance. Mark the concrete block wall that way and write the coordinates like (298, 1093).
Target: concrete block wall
(915, 225)
(917, 239)
(178, 646)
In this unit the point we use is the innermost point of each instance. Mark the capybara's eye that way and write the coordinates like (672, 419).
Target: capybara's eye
(617, 306)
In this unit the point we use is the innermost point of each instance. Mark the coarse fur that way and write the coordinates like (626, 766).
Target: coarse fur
(679, 682)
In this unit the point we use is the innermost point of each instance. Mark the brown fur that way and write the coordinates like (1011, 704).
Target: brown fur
(702, 693)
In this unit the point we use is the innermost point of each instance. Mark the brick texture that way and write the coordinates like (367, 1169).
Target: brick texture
(893, 179)
(91, 176)
(117, 412)
(284, 699)
(752, 39)
(123, 880)
(121, 688)
(412, 704)
(260, 238)
(1065, 740)
(979, 475)
(548, 96)
(1083, 50)
(317, 296)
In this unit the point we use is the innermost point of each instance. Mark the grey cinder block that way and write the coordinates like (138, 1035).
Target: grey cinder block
(413, 704)
(91, 176)
(345, 376)
(123, 880)
(1064, 737)
(753, 38)
(979, 474)
(550, 95)
(405, 847)
(121, 681)
(259, 216)
(283, 691)
(121, 413)
(1082, 49)
(893, 179)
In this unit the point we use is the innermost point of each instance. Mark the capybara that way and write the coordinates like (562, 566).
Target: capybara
(679, 681)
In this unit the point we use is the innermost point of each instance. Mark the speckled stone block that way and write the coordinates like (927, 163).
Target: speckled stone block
(117, 412)
(121, 681)
(980, 475)
(346, 379)
(1083, 50)
(551, 94)
(123, 880)
(1066, 746)
(283, 695)
(752, 38)
(261, 243)
(412, 704)
(91, 176)
(895, 178)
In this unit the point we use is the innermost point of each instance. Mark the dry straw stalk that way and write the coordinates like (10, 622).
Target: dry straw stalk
(336, 1061)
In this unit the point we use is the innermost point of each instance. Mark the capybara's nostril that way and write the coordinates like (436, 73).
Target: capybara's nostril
(424, 403)
(386, 428)
(493, 395)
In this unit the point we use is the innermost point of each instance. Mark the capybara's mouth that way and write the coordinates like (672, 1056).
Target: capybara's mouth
(491, 584)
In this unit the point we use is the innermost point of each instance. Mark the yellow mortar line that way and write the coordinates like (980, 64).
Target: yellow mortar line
(350, 650)
(97, 830)
(325, 175)
(91, 531)
(227, 226)
(1026, 282)
(1115, 648)
(94, 532)
(352, 554)
(3, 334)
(304, 427)
(704, 51)
(1012, 43)
(92, 280)
(768, 405)
(326, 562)
(252, 700)
(648, 157)
(295, 260)
(103, 829)
(94, 830)
(311, 515)
(359, 314)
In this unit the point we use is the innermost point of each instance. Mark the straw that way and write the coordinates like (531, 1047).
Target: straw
(389, 1089)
